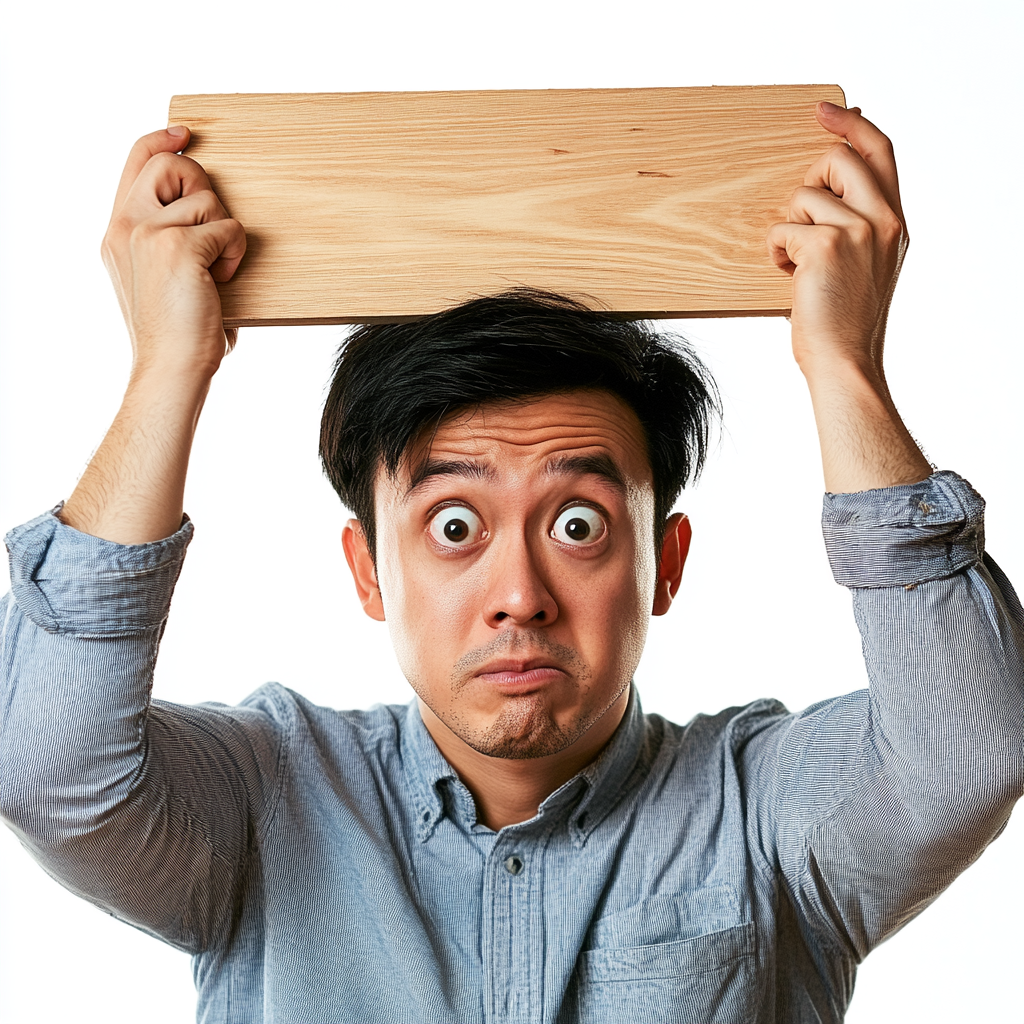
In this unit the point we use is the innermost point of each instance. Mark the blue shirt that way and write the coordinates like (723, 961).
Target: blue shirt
(327, 866)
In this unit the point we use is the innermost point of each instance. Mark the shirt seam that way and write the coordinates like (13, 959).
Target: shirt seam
(265, 819)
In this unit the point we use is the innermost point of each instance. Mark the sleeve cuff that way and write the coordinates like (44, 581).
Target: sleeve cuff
(66, 581)
(904, 535)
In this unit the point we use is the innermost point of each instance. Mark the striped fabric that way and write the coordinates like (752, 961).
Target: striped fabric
(327, 866)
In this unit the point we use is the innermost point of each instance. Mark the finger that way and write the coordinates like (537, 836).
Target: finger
(167, 140)
(198, 208)
(845, 174)
(166, 178)
(870, 143)
(820, 206)
(221, 246)
(195, 230)
(777, 241)
(790, 245)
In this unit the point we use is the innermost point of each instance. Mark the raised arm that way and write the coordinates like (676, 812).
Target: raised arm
(875, 801)
(143, 808)
(169, 241)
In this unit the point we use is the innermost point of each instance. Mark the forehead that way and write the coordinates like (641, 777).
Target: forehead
(529, 435)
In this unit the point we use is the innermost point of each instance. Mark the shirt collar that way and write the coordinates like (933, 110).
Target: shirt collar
(604, 781)
(425, 769)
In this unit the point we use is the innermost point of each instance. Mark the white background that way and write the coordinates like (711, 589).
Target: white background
(265, 593)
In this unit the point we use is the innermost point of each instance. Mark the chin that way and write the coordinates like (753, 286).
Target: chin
(523, 729)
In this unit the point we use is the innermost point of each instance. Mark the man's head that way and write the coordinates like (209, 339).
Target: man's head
(510, 462)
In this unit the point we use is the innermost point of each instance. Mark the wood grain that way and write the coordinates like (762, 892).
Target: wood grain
(370, 207)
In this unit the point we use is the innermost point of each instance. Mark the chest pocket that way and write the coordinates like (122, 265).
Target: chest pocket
(685, 959)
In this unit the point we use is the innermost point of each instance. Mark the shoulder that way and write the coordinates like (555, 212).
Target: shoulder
(375, 727)
(731, 728)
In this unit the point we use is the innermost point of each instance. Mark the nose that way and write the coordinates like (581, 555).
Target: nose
(517, 591)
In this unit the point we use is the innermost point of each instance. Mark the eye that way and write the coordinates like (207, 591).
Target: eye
(456, 527)
(579, 525)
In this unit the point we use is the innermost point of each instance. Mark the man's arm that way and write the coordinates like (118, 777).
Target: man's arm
(869, 805)
(145, 809)
(168, 244)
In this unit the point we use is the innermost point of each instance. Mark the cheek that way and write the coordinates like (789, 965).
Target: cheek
(629, 604)
(645, 557)
(620, 622)
(608, 611)
(425, 613)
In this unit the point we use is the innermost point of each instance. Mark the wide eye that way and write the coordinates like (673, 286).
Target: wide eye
(456, 527)
(579, 525)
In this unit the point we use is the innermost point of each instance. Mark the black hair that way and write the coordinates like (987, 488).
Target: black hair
(392, 382)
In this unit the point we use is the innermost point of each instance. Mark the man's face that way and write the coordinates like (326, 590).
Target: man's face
(516, 568)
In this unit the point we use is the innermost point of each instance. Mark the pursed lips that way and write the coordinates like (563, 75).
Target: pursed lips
(520, 675)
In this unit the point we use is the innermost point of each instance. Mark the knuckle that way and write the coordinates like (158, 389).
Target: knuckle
(209, 205)
(118, 229)
(163, 161)
(801, 199)
(831, 239)
(862, 233)
(116, 237)
(144, 235)
(891, 229)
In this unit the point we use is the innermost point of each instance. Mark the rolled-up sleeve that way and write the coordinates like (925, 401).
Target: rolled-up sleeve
(143, 807)
(69, 582)
(873, 802)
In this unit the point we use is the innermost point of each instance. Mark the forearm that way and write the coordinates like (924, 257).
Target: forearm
(132, 491)
(169, 242)
(864, 442)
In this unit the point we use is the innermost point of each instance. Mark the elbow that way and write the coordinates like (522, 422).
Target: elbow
(966, 810)
(52, 804)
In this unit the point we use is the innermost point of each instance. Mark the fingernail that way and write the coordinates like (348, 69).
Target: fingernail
(828, 108)
(177, 130)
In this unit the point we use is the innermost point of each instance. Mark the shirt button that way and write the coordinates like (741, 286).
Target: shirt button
(513, 865)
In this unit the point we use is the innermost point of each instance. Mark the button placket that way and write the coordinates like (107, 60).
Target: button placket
(507, 939)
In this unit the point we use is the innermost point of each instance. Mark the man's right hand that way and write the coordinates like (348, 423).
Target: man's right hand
(168, 244)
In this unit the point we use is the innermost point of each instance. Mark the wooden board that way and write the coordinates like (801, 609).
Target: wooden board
(369, 207)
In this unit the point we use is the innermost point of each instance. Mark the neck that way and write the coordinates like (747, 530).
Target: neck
(508, 791)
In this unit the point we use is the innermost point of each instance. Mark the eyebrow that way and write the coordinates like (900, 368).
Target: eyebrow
(448, 467)
(565, 465)
(595, 465)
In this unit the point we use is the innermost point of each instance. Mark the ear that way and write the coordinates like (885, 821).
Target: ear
(364, 572)
(674, 550)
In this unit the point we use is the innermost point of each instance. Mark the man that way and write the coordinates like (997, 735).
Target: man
(521, 843)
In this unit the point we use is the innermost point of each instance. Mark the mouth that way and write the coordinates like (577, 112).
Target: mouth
(517, 677)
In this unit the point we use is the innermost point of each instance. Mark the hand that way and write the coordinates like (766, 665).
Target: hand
(169, 241)
(844, 244)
